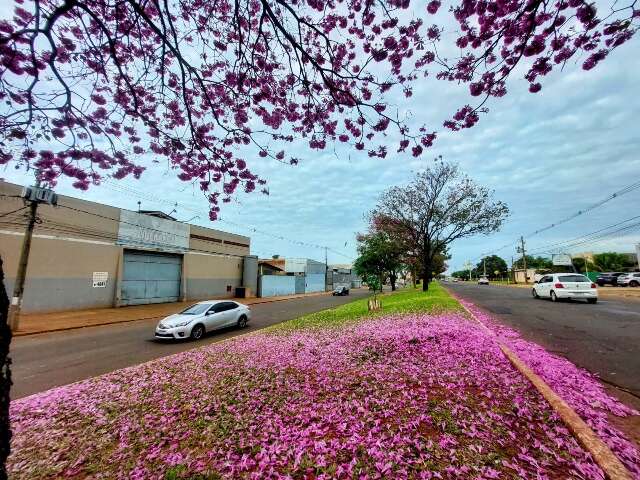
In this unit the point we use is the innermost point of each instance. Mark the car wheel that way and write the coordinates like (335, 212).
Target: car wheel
(633, 283)
(554, 297)
(197, 332)
(242, 321)
(592, 300)
(534, 293)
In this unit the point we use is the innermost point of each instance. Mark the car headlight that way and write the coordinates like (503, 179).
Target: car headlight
(183, 324)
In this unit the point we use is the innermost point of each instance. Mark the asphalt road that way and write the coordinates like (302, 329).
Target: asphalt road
(603, 338)
(48, 360)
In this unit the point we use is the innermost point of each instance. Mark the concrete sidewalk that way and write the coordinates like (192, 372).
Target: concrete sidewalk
(33, 323)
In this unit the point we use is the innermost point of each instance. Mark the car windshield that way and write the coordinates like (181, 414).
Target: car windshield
(196, 309)
(573, 278)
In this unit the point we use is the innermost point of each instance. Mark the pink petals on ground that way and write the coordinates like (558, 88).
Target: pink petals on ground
(407, 396)
(579, 388)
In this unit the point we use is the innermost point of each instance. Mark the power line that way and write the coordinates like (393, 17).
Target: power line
(70, 229)
(614, 195)
(601, 233)
(12, 212)
(152, 198)
(619, 193)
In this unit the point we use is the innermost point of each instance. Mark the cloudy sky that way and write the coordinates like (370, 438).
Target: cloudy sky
(547, 156)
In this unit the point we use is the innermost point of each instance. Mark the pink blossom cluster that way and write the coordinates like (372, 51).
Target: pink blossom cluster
(407, 396)
(91, 89)
(578, 387)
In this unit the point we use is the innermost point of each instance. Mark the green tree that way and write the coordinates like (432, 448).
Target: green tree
(611, 261)
(461, 274)
(493, 263)
(535, 262)
(439, 206)
(379, 256)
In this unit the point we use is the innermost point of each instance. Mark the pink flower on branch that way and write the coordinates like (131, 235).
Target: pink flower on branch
(198, 82)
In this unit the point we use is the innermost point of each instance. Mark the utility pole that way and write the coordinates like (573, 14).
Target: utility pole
(33, 195)
(326, 270)
(513, 274)
(524, 258)
(484, 266)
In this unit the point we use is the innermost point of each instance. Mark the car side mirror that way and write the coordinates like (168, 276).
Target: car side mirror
(210, 312)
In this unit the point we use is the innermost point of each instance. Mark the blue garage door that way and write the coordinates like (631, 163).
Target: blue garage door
(150, 278)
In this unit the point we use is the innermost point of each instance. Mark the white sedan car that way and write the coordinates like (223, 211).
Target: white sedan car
(193, 322)
(565, 285)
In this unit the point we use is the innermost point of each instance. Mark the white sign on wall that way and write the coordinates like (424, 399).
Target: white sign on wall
(100, 279)
(140, 230)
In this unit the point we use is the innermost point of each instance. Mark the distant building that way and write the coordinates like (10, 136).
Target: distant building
(290, 276)
(343, 274)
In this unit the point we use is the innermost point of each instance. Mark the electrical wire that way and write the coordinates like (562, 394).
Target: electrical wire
(614, 195)
(619, 193)
(98, 234)
(591, 237)
(152, 198)
(13, 211)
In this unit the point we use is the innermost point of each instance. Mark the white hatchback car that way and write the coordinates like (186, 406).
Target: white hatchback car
(193, 322)
(565, 285)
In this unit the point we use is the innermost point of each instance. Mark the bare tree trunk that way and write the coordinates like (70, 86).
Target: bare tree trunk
(5, 377)
(392, 278)
(426, 277)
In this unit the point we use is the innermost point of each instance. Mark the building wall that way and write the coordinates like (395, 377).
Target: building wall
(250, 275)
(314, 282)
(216, 241)
(60, 272)
(210, 275)
(274, 285)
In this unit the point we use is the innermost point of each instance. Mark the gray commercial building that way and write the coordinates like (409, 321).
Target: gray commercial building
(289, 276)
(343, 275)
(87, 255)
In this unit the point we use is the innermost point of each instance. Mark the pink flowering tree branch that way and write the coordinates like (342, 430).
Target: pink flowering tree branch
(96, 89)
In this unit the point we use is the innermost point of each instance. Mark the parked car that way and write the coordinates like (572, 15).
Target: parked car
(198, 319)
(629, 280)
(340, 291)
(483, 281)
(608, 278)
(565, 285)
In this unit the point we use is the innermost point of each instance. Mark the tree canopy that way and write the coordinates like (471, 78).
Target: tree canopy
(611, 261)
(100, 88)
(379, 256)
(439, 205)
(493, 263)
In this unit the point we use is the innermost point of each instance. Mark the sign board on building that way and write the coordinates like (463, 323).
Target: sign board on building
(140, 230)
(295, 265)
(561, 259)
(100, 279)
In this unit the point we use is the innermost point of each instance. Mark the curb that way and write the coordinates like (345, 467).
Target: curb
(129, 320)
(602, 454)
